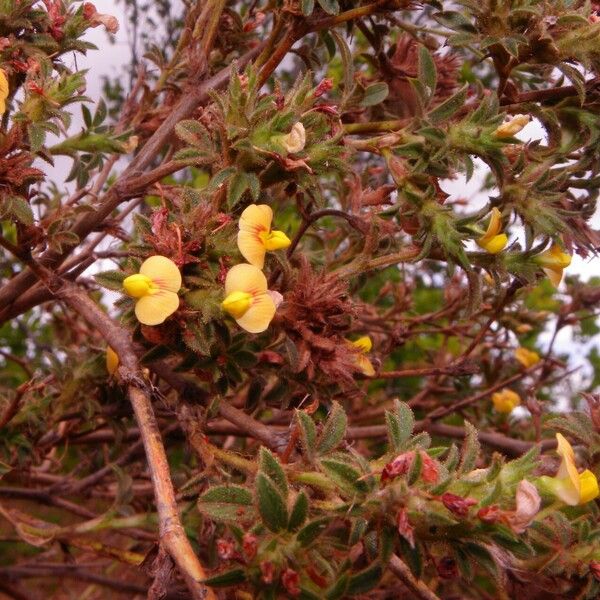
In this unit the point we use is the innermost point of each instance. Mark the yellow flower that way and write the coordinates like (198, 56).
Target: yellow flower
(155, 287)
(492, 240)
(506, 400)
(112, 361)
(526, 357)
(4, 91)
(363, 345)
(569, 485)
(255, 237)
(554, 261)
(295, 140)
(247, 299)
(512, 127)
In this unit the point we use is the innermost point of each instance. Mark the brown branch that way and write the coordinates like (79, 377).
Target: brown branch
(400, 569)
(172, 534)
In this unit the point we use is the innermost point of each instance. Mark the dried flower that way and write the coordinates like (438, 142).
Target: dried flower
(291, 582)
(155, 287)
(528, 505)
(512, 127)
(553, 261)
(95, 18)
(405, 529)
(112, 361)
(398, 466)
(457, 505)
(295, 140)
(570, 486)
(492, 240)
(225, 549)
(267, 569)
(506, 400)
(526, 357)
(446, 568)
(595, 568)
(363, 346)
(4, 91)
(249, 545)
(247, 299)
(256, 238)
(490, 514)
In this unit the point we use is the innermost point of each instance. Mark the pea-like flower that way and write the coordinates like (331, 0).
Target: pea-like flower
(3, 91)
(512, 127)
(247, 298)
(554, 261)
(506, 400)
(295, 140)
(112, 361)
(569, 485)
(155, 287)
(526, 357)
(256, 238)
(493, 240)
(363, 346)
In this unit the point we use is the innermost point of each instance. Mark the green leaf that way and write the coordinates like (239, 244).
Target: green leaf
(329, 6)
(226, 503)
(346, 477)
(446, 109)
(334, 430)
(19, 208)
(365, 580)
(338, 589)
(299, 512)
(271, 504)
(227, 578)
(220, 178)
(111, 280)
(427, 71)
(307, 7)
(374, 94)
(400, 423)
(455, 20)
(269, 465)
(238, 184)
(347, 64)
(191, 132)
(310, 532)
(470, 449)
(308, 433)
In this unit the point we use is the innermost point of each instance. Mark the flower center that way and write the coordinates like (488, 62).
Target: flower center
(237, 304)
(274, 240)
(138, 285)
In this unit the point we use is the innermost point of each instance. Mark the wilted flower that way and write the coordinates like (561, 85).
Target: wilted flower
(4, 91)
(256, 238)
(571, 486)
(446, 568)
(247, 299)
(267, 570)
(225, 549)
(528, 503)
(291, 582)
(492, 240)
(363, 345)
(512, 127)
(295, 140)
(506, 400)
(112, 361)
(526, 357)
(249, 545)
(595, 568)
(553, 261)
(95, 18)
(155, 287)
(403, 462)
(457, 505)
(405, 529)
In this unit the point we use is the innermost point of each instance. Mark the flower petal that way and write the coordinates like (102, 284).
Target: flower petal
(251, 248)
(568, 469)
(364, 365)
(363, 344)
(554, 275)
(245, 278)
(163, 271)
(112, 360)
(256, 217)
(495, 244)
(259, 315)
(154, 309)
(588, 487)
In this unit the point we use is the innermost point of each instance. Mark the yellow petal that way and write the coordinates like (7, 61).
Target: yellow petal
(155, 308)
(554, 275)
(259, 315)
(245, 278)
(252, 248)
(365, 366)
(4, 91)
(275, 240)
(512, 127)
(568, 469)
(495, 244)
(494, 227)
(588, 487)
(256, 218)
(163, 271)
(506, 400)
(112, 360)
(237, 303)
(138, 285)
(526, 357)
(363, 344)
(565, 490)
